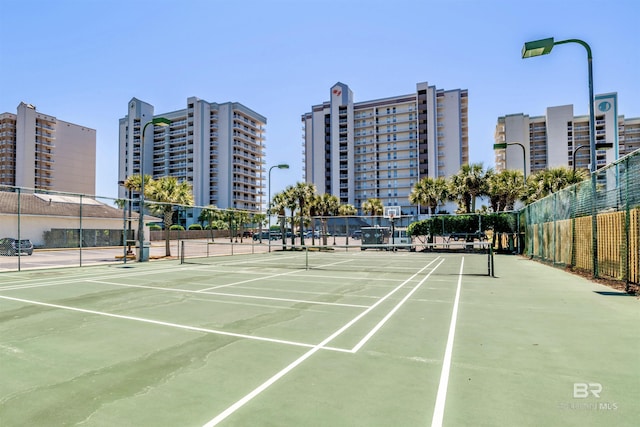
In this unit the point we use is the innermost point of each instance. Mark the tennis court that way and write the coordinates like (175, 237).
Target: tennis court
(357, 338)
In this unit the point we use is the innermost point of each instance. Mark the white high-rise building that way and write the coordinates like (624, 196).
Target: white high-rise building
(554, 139)
(218, 148)
(40, 151)
(381, 148)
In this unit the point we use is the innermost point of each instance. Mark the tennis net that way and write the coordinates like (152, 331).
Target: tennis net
(384, 258)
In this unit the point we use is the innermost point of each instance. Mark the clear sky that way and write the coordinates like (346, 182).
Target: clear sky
(83, 60)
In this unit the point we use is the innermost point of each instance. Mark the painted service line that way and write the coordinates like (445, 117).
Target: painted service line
(37, 283)
(240, 403)
(173, 325)
(438, 411)
(247, 281)
(259, 278)
(187, 291)
(388, 316)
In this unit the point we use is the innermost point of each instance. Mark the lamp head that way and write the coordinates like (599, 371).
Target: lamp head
(537, 48)
(500, 146)
(283, 166)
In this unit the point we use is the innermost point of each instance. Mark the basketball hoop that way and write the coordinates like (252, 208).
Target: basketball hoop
(391, 212)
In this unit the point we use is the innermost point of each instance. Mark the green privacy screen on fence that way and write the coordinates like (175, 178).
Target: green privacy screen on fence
(592, 226)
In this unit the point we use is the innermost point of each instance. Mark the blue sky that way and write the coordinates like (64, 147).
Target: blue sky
(83, 60)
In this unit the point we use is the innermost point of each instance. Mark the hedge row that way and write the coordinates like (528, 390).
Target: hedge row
(443, 225)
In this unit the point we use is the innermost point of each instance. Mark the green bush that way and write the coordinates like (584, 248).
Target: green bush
(155, 227)
(195, 227)
(176, 227)
(443, 225)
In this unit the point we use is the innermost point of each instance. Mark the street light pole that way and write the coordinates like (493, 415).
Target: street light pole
(543, 47)
(160, 121)
(280, 166)
(574, 155)
(503, 146)
(599, 146)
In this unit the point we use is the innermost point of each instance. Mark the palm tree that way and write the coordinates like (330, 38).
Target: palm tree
(291, 202)
(133, 182)
(347, 210)
(326, 205)
(260, 219)
(304, 192)
(552, 180)
(278, 205)
(429, 192)
(373, 207)
(209, 215)
(313, 214)
(167, 192)
(468, 184)
(242, 217)
(229, 217)
(505, 188)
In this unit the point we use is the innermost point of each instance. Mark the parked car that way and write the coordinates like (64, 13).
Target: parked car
(10, 246)
(261, 236)
(469, 237)
(356, 235)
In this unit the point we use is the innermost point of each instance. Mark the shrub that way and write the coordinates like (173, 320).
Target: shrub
(155, 227)
(195, 227)
(176, 227)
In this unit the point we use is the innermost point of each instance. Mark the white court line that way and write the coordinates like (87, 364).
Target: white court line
(438, 411)
(33, 283)
(371, 333)
(247, 281)
(187, 291)
(240, 403)
(260, 278)
(173, 325)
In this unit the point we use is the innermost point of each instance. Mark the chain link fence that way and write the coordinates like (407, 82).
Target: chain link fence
(593, 226)
(42, 229)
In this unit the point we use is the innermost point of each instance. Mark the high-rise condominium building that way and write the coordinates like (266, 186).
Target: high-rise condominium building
(218, 148)
(381, 148)
(39, 151)
(558, 137)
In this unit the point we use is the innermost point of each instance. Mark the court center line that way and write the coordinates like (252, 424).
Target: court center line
(438, 411)
(384, 320)
(173, 325)
(262, 387)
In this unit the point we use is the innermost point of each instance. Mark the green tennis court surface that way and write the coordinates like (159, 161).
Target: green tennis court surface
(384, 338)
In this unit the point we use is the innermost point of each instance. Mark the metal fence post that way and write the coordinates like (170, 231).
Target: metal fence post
(627, 224)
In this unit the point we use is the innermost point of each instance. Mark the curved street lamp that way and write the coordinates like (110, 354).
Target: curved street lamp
(503, 146)
(280, 166)
(158, 121)
(599, 146)
(543, 47)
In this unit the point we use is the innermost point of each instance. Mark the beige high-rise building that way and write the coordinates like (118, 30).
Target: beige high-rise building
(559, 136)
(40, 151)
(218, 148)
(381, 148)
